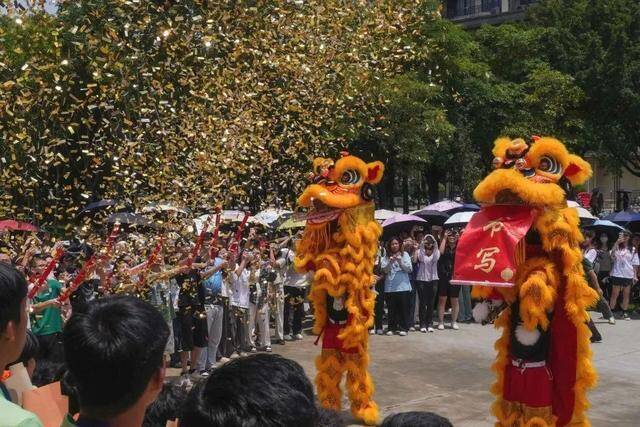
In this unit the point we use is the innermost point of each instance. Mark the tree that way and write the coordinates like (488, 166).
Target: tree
(598, 43)
(190, 101)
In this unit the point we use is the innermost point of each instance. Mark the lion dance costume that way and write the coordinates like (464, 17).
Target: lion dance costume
(339, 245)
(543, 364)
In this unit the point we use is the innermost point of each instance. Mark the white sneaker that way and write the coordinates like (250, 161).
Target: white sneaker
(441, 327)
(412, 329)
(430, 329)
(288, 337)
(423, 330)
(297, 337)
(372, 331)
(455, 326)
(402, 333)
(379, 332)
(223, 360)
(389, 333)
(612, 320)
(235, 355)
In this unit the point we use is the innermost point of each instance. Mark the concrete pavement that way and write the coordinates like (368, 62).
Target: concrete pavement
(448, 372)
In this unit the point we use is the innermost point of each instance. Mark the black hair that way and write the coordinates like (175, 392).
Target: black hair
(266, 390)
(167, 406)
(47, 372)
(13, 289)
(329, 418)
(112, 350)
(416, 419)
(30, 349)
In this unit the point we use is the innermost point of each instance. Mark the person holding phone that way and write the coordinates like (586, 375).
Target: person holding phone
(397, 286)
(445, 272)
(426, 257)
(624, 272)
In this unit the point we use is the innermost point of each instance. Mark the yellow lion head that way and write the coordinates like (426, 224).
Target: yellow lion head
(339, 186)
(536, 174)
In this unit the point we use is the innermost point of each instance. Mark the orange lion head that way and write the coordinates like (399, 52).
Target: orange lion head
(339, 186)
(537, 174)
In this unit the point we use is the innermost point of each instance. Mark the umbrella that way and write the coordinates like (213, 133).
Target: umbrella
(623, 217)
(433, 217)
(164, 207)
(384, 214)
(10, 224)
(399, 223)
(97, 206)
(467, 207)
(291, 224)
(573, 204)
(269, 216)
(460, 219)
(443, 206)
(129, 219)
(586, 217)
(609, 228)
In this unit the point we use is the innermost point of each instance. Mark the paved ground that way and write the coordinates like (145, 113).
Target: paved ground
(447, 372)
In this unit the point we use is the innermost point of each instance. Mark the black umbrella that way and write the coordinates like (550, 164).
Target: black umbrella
(130, 219)
(97, 206)
(432, 217)
(467, 207)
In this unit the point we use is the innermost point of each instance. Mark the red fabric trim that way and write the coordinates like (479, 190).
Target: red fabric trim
(563, 360)
(529, 386)
(331, 341)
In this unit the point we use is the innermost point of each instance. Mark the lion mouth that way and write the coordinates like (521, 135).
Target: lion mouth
(508, 197)
(321, 213)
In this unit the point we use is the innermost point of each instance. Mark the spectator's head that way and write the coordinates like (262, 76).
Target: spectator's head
(13, 313)
(416, 419)
(265, 390)
(5, 258)
(393, 246)
(167, 406)
(589, 237)
(114, 353)
(29, 352)
(37, 264)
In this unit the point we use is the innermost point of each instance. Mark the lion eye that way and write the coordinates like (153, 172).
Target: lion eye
(550, 165)
(350, 177)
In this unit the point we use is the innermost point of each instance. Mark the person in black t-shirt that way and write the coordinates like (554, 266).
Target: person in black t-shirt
(192, 325)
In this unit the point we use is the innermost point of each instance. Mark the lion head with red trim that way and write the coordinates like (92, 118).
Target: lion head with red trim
(537, 174)
(340, 186)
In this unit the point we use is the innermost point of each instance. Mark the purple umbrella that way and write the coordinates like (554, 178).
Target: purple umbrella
(399, 223)
(443, 206)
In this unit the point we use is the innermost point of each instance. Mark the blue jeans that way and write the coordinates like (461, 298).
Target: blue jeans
(465, 303)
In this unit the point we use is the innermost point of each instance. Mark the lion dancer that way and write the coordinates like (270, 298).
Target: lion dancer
(339, 245)
(522, 251)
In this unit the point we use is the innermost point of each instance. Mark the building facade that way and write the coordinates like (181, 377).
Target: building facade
(474, 13)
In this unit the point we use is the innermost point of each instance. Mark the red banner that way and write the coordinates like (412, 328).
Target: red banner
(487, 250)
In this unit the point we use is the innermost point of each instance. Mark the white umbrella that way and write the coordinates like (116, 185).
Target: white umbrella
(573, 204)
(459, 219)
(384, 214)
(271, 215)
(585, 215)
(225, 216)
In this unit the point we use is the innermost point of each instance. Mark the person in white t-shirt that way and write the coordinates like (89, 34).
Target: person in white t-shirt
(624, 272)
(239, 301)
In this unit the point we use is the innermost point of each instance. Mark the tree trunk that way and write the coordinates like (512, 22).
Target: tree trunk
(390, 177)
(405, 193)
(431, 178)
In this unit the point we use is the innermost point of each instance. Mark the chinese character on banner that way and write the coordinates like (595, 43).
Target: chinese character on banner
(486, 250)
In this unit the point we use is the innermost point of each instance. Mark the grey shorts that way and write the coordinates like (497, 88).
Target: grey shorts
(621, 281)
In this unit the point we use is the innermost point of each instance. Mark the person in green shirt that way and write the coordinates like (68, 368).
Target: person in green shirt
(13, 332)
(46, 320)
